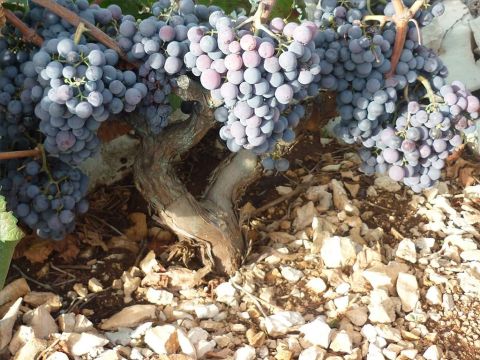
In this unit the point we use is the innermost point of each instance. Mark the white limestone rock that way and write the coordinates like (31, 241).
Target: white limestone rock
(407, 289)
(282, 322)
(317, 332)
(338, 252)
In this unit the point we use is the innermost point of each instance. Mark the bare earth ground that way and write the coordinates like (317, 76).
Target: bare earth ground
(341, 266)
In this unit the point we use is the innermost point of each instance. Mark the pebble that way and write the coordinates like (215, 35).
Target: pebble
(81, 344)
(338, 252)
(312, 353)
(246, 352)
(291, 274)
(94, 285)
(130, 317)
(208, 311)
(406, 251)
(342, 342)
(282, 322)
(317, 285)
(225, 293)
(317, 332)
(434, 295)
(159, 297)
(407, 289)
(433, 353)
(381, 307)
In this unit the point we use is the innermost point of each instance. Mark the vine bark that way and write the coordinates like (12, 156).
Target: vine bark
(210, 223)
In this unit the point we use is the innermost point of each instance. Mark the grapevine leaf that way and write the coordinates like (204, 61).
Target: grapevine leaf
(3, 20)
(9, 231)
(175, 101)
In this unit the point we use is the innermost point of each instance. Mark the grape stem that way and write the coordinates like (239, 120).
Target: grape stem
(263, 12)
(430, 93)
(29, 35)
(9, 155)
(402, 16)
(75, 20)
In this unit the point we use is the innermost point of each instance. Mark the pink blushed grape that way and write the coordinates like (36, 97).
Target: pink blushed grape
(248, 42)
(284, 94)
(391, 156)
(166, 33)
(233, 62)
(277, 24)
(266, 49)
(302, 34)
(396, 173)
(210, 79)
(203, 62)
(251, 59)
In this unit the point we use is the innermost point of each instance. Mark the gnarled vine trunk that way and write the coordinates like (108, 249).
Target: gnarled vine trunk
(211, 221)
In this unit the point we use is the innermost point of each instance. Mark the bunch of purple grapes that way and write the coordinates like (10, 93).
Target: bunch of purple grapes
(259, 79)
(46, 201)
(415, 148)
(80, 87)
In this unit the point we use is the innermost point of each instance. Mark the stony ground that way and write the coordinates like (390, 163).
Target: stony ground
(346, 267)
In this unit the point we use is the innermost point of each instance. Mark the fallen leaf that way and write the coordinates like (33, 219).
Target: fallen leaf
(92, 238)
(465, 176)
(39, 250)
(139, 230)
(123, 243)
(67, 248)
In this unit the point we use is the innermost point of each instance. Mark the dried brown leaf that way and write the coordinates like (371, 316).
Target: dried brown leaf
(92, 238)
(39, 250)
(67, 248)
(139, 230)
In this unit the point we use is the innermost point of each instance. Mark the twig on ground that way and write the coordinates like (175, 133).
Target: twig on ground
(29, 278)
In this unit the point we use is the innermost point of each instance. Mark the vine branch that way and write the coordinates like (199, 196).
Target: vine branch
(9, 155)
(75, 20)
(29, 35)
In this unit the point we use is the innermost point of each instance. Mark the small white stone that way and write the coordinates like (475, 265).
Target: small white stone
(381, 307)
(407, 289)
(81, 344)
(57, 355)
(358, 316)
(159, 297)
(374, 353)
(338, 251)
(162, 339)
(406, 251)
(196, 334)
(470, 255)
(282, 322)
(225, 293)
(149, 263)
(42, 323)
(141, 330)
(208, 311)
(120, 337)
(312, 353)
(342, 342)
(94, 285)
(291, 274)
(204, 346)
(433, 353)
(369, 332)
(434, 295)
(385, 183)
(317, 332)
(246, 352)
(317, 285)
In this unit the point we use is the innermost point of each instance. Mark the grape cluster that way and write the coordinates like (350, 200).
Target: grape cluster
(81, 88)
(260, 80)
(46, 201)
(414, 149)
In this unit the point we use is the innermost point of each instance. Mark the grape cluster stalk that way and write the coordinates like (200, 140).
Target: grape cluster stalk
(67, 67)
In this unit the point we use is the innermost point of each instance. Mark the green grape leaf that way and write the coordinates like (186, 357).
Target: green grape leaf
(9, 230)
(16, 4)
(175, 101)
